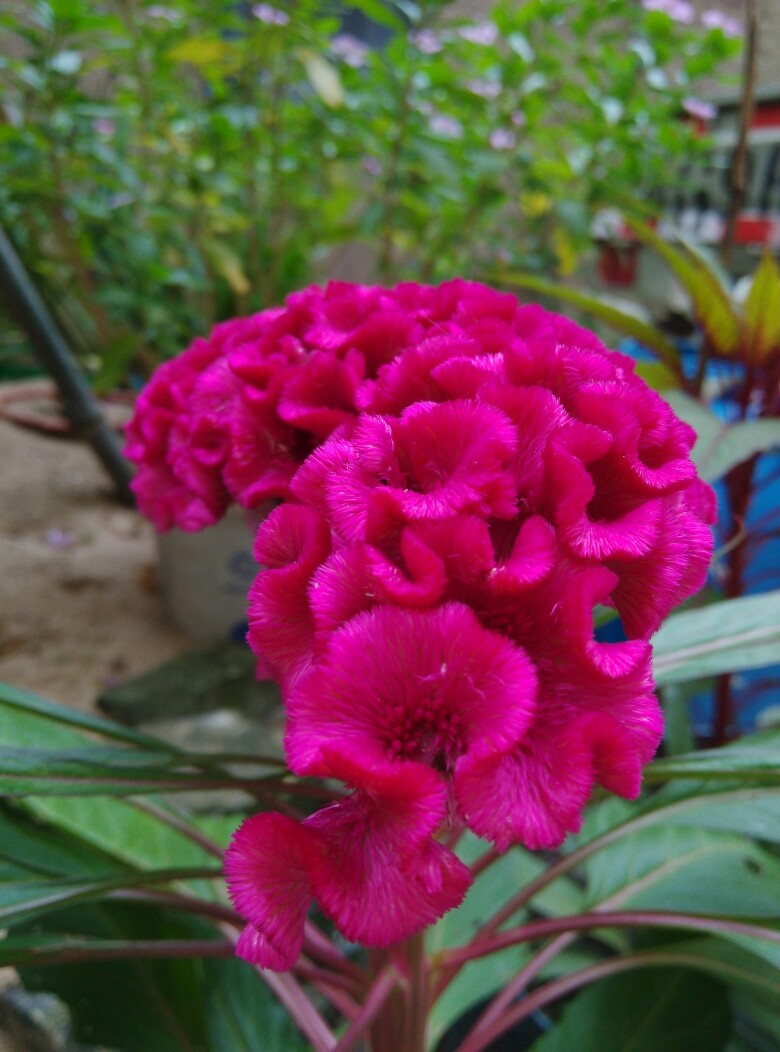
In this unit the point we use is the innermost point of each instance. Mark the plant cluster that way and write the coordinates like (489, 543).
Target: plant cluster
(164, 167)
(498, 484)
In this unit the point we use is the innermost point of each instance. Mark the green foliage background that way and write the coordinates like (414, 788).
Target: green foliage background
(163, 167)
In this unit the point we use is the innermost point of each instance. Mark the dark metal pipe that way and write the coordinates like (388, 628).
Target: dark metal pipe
(31, 313)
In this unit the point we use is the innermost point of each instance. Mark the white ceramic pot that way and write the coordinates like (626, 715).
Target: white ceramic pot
(205, 577)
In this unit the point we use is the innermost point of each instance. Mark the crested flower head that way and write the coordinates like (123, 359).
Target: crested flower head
(428, 605)
(231, 418)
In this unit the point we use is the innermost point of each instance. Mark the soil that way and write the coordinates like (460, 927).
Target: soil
(80, 606)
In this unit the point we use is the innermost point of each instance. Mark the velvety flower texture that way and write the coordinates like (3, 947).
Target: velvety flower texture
(230, 419)
(427, 605)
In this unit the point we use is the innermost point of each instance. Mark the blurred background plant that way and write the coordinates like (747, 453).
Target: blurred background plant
(163, 167)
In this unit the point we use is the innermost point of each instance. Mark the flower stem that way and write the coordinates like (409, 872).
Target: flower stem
(418, 1000)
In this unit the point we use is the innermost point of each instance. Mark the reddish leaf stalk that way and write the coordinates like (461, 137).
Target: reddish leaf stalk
(623, 919)
(377, 997)
(544, 995)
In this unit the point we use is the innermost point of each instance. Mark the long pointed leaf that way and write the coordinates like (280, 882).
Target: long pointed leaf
(101, 770)
(25, 950)
(712, 304)
(762, 311)
(21, 700)
(22, 900)
(723, 637)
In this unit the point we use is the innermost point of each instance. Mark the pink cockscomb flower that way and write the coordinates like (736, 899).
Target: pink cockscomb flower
(429, 598)
(231, 418)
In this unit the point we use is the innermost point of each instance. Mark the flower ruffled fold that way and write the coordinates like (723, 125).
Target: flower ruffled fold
(368, 860)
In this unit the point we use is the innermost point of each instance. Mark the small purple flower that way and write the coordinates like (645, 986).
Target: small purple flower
(680, 10)
(486, 89)
(349, 49)
(704, 111)
(484, 33)
(104, 126)
(372, 166)
(427, 41)
(449, 127)
(270, 16)
(59, 539)
(502, 139)
(732, 27)
(166, 14)
(518, 118)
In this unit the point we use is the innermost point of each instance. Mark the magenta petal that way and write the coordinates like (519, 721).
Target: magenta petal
(292, 535)
(536, 795)
(166, 502)
(419, 581)
(463, 544)
(590, 526)
(291, 543)
(674, 568)
(423, 685)
(311, 480)
(531, 559)
(266, 869)
(411, 377)
(652, 447)
(320, 394)
(342, 588)
(462, 377)
(536, 414)
(382, 878)
(455, 457)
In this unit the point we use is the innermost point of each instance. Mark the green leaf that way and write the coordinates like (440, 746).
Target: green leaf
(132, 1005)
(658, 376)
(21, 951)
(723, 637)
(71, 765)
(98, 770)
(241, 1011)
(720, 447)
(762, 311)
(20, 701)
(741, 966)
(378, 12)
(736, 443)
(22, 900)
(754, 757)
(115, 362)
(502, 879)
(323, 77)
(66, 62)
(29, 847)
(667, 867)
(120, 830)
(712, 304)
(673, 1009)
(204, 52)
(228, 264)
(617, 319)
(115, 827)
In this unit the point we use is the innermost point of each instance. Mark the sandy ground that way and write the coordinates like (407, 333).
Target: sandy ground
(80, 608)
